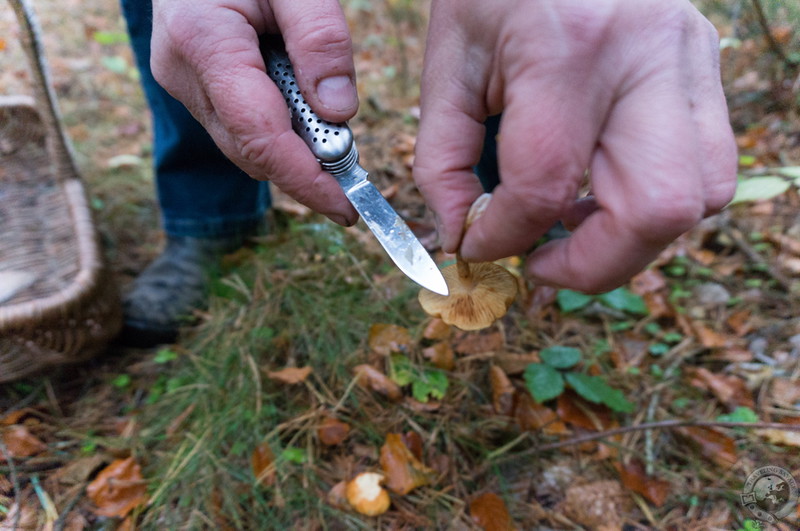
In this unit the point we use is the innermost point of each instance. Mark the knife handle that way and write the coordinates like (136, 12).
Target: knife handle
(331, 143)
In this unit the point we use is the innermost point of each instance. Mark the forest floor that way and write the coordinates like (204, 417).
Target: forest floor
(315, 362)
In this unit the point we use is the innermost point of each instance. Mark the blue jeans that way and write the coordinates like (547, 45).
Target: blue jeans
(200, 192)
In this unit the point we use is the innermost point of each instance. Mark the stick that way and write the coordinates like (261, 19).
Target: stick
(773, 44)
(14, 481)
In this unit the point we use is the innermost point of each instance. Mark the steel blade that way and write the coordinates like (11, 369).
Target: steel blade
(392, 232)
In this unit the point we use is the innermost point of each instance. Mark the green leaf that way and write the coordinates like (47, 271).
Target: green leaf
(792, 172)
(569, 300)
(625, 300)
(165, 355)
(543, 381)
(740, 414)
(121, 381)
(115, 63)
(561, 357)
(759, 188)
(107, 38)
(658, 349)
(595, 389)
(430, 384)
(401, 371)
(294, 455)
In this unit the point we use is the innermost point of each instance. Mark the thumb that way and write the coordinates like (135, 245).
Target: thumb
(318, 42)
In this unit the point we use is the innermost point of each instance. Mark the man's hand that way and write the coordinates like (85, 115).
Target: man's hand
(206, 54)
(629, 91)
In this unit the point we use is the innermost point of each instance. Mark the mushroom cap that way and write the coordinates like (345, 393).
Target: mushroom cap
(366, 495)
(475, 301)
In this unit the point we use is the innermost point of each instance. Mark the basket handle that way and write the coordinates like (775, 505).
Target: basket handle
(57, 142)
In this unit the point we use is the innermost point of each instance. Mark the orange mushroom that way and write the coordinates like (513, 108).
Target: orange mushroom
(366, 495)
(480, 293)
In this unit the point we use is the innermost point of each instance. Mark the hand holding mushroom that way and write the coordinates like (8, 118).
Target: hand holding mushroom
(480, 293)
(628, 91)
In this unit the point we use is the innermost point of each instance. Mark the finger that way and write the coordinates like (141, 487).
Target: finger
(544, 148)
(647, 183)
(248, 118)
(716, 141)
(318, 42)
(451, 134)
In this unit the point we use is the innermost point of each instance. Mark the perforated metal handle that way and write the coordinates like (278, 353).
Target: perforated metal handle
(331, 143)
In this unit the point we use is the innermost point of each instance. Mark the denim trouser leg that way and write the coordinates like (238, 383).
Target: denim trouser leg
(201, 193)
(486, 169)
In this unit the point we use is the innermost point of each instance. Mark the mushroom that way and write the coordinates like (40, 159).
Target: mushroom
(480, 293)
(366, 495)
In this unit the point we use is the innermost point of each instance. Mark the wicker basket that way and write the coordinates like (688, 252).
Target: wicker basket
(58, 302)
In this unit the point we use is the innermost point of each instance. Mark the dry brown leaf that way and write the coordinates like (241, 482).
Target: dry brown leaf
(658, 305)
(386, 339)
(513, 364)
(784, 392)
(574, 410)
(20, 442)
(712, 444)
(413, 442)
(781, 437)
(261, 462)
(332, 431)
(337, 496)
(118, 488)
(371, 378)
(437, 330)
(472, 343)
(708, 337)
(740, 322)
(502, 391)
(633, 476)
(402, 470)
(489, 511)
(730, 390)
(441, 355)
(648, 281)
(532, 416)
(599, 505)
(290, 375)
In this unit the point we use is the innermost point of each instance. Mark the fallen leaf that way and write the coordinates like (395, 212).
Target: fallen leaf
(648, 281)
(402, 470)
(261, 462)
(337, 496)
(599, 505)
(784, 392)
(712, 444)
(708, 337)
(513, 364)
(437, 330)
(781, 437)
(658, 305)
(371, 378)
(740, 322)
(730, 390)
(441, 355)
(532, 416)
(502, 391)
(489, 511)
(413, 442)
(387, 339)
(471, 343)
(332, 431)
(20, 442)
(574, 410)
(118, 488)
(290, 375)
(633, 476)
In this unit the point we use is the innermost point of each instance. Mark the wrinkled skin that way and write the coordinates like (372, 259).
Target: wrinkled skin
(206, 54)
(627, 90)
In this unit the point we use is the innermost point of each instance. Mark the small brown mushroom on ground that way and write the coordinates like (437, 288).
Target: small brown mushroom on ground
(476, 300)
(366, 495)
(480, 293)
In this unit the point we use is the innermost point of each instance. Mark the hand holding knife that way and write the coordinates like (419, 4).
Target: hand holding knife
(334, 147)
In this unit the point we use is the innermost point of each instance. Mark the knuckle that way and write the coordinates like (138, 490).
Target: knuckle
(324, 36)
(663, 216)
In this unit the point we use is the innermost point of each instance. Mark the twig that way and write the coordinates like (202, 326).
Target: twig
(14, 482)
(648, 434)
(736, 235)
(663, 424)
(773, 44)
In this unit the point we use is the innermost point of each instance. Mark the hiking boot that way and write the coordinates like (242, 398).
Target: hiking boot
(165, 295)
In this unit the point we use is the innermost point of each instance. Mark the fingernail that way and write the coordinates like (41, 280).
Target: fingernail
(337, 93)
(342, 220)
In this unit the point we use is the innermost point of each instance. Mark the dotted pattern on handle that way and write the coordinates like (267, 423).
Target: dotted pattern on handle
(329, 142)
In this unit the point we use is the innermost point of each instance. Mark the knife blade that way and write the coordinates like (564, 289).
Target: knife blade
(335, 149)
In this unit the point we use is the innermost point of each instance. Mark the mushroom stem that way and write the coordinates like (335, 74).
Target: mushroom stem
(463, 267)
